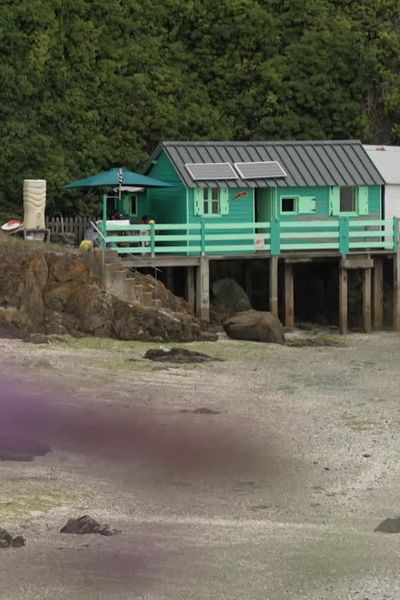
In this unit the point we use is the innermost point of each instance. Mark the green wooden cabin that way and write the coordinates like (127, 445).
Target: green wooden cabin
(243, 197)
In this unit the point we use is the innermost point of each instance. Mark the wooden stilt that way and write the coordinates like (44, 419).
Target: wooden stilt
(249, 280)
(342, 300)
(396, 291)
(367, 300)
(378, 293)
(273, 285)
(190, 287)
(203, 290)
(170, 279)
(289, 295)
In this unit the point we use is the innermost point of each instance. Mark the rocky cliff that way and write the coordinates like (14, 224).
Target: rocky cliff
(54, 292)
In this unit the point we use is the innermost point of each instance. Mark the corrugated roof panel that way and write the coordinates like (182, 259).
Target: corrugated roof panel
(340, 174)
(312, 163)
(363, 168)
(327, 156)
(319, 172)
(295, 170)
(293, 165)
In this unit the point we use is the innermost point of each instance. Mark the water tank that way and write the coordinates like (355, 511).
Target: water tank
(34, 203)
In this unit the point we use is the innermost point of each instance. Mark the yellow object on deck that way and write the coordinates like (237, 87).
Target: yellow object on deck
(86, 245)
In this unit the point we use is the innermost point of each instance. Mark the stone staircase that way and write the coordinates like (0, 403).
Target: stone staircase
(115, 278)
(109, 270)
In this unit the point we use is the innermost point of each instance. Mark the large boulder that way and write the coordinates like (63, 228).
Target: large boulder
(255, 326)
(229, 299)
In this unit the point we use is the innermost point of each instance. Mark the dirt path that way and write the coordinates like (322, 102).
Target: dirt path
(275, 497)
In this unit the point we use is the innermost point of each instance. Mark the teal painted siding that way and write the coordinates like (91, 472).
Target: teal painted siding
(241, 210)
(322, 205)
(167, 205)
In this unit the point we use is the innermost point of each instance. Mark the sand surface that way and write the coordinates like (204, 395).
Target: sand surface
(275, 497)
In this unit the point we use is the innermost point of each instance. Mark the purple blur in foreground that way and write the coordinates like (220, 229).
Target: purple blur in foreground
(120, 434)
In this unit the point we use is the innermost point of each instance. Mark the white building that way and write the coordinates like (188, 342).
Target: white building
(387, 160)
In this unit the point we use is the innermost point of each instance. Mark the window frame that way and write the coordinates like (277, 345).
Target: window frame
(296, 204)
(133, 199)
(349, 213)
(208, 201)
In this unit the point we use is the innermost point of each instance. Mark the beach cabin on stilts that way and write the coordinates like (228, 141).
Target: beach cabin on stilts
(281, 202)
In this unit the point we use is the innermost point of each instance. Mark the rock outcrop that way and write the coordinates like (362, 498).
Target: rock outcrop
(55, 293)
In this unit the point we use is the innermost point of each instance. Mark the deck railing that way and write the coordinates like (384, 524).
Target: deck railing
(342, 235)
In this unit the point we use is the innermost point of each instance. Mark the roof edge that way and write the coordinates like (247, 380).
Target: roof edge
(167, 143)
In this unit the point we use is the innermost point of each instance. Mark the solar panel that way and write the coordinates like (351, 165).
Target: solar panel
(199, 171)
(260, 170)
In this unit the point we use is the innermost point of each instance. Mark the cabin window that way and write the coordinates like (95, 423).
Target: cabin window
(128, 205)
(132, 205)
(289, 205)
(348, 200)
(211, 201)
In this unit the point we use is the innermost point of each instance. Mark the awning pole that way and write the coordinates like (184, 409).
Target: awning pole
(104, 224)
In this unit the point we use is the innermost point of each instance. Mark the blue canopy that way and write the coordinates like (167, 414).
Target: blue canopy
(118, 176)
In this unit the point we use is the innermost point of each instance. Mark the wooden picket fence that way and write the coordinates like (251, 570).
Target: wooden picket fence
(75, 225)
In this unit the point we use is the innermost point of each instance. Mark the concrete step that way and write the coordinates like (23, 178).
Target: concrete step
(147, 299)
(114, 265)
(106, 254)
(157, 303)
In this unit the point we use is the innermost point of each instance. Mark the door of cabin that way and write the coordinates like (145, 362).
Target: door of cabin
(265, 209)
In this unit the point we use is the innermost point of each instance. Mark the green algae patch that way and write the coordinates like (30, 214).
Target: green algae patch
(316, 341)
(24, 501)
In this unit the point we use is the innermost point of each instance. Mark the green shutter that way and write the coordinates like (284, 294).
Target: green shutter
(126, 204)
(198, 201)
(362, 200)
(224, 201)
(334, 200)
(306, 204)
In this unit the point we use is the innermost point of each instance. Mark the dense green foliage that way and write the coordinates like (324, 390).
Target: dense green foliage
(90, 83)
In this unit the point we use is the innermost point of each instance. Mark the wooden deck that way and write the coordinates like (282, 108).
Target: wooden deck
(339, 235)
(351, 243)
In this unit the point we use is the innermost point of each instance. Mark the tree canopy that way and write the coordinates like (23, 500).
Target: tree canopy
(86, 84)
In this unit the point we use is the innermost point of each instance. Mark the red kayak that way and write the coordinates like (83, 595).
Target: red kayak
(13, 225)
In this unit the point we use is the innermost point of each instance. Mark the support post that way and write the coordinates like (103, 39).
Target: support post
(190, 287)
(152, 240)
(378, 293)
(344, 240)
(248, 280)
(396, 291)
(104, 222)
(203, 238)
(203, 290)
(289, 295)
(342, 299)
(367, 300)
(273, 286)
(275, 242)
(170, 279)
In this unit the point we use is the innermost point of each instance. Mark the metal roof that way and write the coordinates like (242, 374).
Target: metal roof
(387, 160)
(307, 163)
